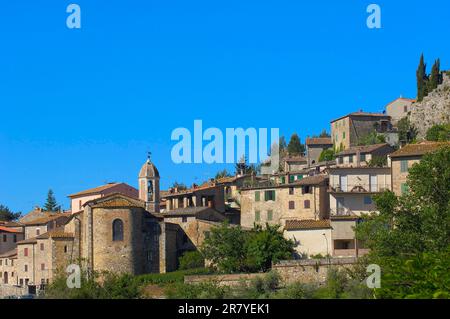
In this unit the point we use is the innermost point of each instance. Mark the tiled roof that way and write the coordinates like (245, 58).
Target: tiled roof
(319, 141)
(12, 224)
(419, 149)
(56, 233)
(45, 220)
(27, 241)
(362, 149)
(9, 230)
(307, 224)
(310, 180)
(362, 114)
(115, 200)
(402, 99)
(10, 253)
(97, 190)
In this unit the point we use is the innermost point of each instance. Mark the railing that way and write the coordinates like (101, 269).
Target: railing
(343, 211)
(358, 188)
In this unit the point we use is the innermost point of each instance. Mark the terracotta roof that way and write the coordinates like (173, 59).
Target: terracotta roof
(12, 224)
(307, 224)
(9, 230)
(10, 253)
(362, 149)
(27, 241)
(45, 220)
(56, 233)
(97, 190)
(362, 114)
(419, 149)
(319, 141)
(310, 180)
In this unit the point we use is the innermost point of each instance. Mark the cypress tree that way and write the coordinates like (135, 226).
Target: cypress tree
(421, 75)
(434, 77)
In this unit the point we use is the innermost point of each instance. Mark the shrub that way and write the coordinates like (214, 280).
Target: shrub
(191, 260)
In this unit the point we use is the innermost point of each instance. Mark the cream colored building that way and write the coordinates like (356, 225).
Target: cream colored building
(306, 199)
(399, 109)
(310, 237)
(403, 159)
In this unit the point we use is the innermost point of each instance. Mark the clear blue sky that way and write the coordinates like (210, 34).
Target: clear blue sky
(81, 107)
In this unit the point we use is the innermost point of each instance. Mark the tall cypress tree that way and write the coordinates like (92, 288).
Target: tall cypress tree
(435, 76)
(421, 75)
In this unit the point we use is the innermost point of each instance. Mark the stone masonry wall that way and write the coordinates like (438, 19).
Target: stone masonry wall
(434, 109)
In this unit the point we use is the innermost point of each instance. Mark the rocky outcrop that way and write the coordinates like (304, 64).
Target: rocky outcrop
(434, 109)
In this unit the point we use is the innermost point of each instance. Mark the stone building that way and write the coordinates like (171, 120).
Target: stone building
(399, 109)
(358, 156)
(347, 131)
(306, 199)
(9, 237)
(403, 159)
(315, 146)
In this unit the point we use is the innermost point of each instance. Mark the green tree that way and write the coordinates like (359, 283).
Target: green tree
(7, 215)
(406, 132)
(179, 186)
(232, 249)
(439, 133)
(282, 144)
(435, 76)
(371, 139)
(191, 260)
(295, 147)
(51, 205)
(223, 173)
(422, 79)
(327, 155)
(264, 246)
(378, 161)
(411, 232)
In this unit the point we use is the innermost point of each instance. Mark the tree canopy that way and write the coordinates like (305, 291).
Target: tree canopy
(295, 147)
(51, 205)
(7, 215)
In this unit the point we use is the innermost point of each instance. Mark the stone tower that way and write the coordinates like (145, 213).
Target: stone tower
(149, 186)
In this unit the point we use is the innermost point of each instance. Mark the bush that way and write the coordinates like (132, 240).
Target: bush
(205, 290)
(438, 133)
(191, 260)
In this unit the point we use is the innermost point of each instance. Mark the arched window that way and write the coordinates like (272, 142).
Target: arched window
(117, 228)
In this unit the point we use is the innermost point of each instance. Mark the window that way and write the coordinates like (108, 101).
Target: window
(38, 232)
(269, 195)
(257, 196)
(291, 190)
(184, 219)
(15, 238)
(340, 160)
(336, 138)
(42, 266)
(25, 268)
(283, 179)
(79, 204)
(362, 157)
(117, 230)
(404, 189)
(42, 246)
(291, 178)
(65, 249)
(257, 216)
(25, 252)
(307, 203)
(1, 261)
(405, 108)
(404, 166)
(350, 159)
(291, 204)
(307, 190)
(367, 200)
(5, 238)
(343, 135)
(269, 215)
(299, 177)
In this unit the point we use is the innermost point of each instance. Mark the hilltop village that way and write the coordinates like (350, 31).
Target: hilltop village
(118, 228)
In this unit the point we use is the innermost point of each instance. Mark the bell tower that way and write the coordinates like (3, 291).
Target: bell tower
(149, 186)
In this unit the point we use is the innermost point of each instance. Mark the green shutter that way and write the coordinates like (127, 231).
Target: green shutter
(291, 178)
(405, 189)
(283, 179)
(257, 196)
(299, 177)
(404, 166)
(257, 215)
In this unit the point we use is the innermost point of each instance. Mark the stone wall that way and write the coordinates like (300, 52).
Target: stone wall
(10, 290)
(434, 109)
(290, 271)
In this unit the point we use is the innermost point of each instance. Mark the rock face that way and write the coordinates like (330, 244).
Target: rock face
(434, 109)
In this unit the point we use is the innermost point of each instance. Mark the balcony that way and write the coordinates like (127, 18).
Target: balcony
(358, 188)
(342, 211)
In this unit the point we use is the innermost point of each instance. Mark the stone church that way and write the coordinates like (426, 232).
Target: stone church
(113, 232)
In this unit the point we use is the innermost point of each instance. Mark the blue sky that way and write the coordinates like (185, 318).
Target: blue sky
(82, 107)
